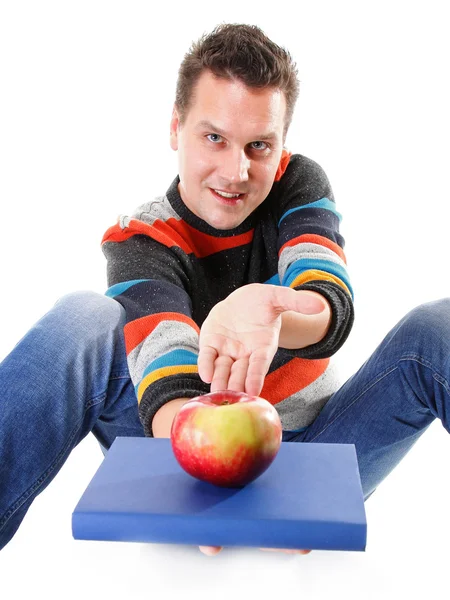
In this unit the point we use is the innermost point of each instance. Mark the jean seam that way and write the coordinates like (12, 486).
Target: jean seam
(388, 371)
(38, 483)
(120, 376)
(94, 401)
(426, 363)
(442, 381)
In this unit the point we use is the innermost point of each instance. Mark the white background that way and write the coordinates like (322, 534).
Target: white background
(85, 101)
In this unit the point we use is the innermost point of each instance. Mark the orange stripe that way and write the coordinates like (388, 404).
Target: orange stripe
(163, 372)
(116, 234)
(178, 233)
(310, 238)
(161, 233)
(202, 244)
(316, 275)
(136, 331)
(283, 164)
(296, 375)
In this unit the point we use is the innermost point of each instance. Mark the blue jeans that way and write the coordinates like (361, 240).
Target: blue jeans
(69, 376)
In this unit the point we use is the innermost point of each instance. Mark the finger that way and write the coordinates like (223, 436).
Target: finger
(222, 369)
(287, 551)
(210, 550)
(257, 370)
(205, 363)
(238, 375)
(310, 303)
(302, 301)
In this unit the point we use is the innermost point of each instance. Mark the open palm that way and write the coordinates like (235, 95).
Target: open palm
(239, 338)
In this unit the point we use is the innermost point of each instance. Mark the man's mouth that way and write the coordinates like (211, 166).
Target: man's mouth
(228, 198)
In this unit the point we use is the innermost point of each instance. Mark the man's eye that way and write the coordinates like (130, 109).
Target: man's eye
(214, 135)
(263, 147)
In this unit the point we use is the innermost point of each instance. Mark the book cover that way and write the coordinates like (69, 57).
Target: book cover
(310, 497)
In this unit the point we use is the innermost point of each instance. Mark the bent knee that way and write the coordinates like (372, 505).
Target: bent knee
(92, 306)
(431, 318)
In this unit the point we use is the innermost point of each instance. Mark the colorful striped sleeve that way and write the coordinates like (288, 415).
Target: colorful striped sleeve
(311, 249)
(147, 278)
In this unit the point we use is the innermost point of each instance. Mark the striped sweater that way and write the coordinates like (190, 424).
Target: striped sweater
(168, 268)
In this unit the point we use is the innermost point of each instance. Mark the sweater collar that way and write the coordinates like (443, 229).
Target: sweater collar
(173, 196)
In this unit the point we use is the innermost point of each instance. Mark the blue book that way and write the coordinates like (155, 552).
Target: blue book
(310, 498)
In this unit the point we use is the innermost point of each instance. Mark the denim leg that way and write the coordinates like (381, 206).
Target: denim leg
(66, 377)
(386, 406)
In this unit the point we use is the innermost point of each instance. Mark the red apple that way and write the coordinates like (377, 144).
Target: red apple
(226, 438)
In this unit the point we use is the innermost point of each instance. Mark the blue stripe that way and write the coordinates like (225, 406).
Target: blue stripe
(175, 357)
(275, 280)
(119, 288)
(305, 264)
(297, 430)
(322, 203)
(300, 430)
(291, 434)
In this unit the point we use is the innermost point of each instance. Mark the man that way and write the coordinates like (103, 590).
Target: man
(236, 278)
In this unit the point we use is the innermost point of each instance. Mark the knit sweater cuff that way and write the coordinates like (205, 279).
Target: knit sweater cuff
(183, 385)
(342, 317)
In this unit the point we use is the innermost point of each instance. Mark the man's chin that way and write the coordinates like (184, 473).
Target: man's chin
(223, 224)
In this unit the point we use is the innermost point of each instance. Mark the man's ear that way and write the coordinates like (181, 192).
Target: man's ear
(174, 125)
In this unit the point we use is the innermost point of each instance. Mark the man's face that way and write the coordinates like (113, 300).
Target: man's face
(231, 142)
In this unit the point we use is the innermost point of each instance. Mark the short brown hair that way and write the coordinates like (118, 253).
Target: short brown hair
(243, 52)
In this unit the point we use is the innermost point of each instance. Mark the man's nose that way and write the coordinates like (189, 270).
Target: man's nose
(234, 166)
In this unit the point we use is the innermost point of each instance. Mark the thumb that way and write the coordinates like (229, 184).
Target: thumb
(302, 301)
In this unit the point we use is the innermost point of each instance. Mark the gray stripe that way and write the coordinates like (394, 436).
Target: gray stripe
(166, 337)
(160, 208)
(309, 250)
(301, 409)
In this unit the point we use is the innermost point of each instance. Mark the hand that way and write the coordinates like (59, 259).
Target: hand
(214, 550)
(240, 336)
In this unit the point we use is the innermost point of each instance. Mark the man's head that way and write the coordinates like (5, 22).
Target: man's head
(235, 97)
